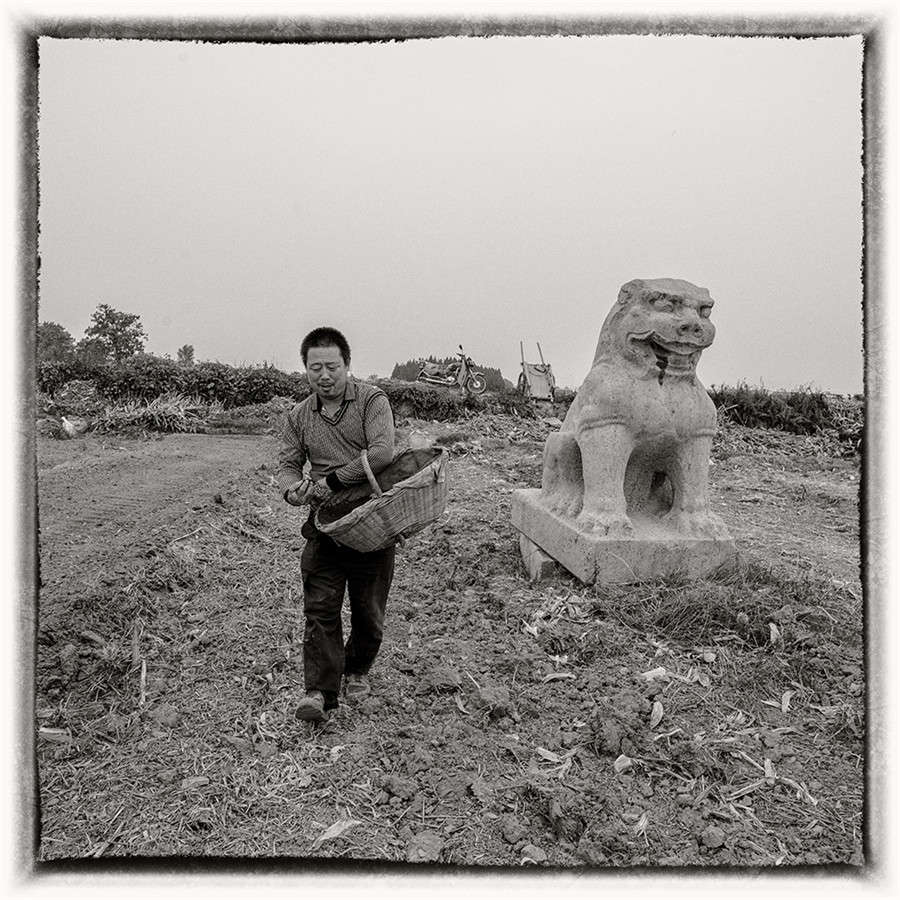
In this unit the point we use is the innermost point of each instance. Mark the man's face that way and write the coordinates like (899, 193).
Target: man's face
(326, 371)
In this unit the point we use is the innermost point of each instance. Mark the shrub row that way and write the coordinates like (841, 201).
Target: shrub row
(147, 377)
(412, 398)
(799, 412)
(424, 401)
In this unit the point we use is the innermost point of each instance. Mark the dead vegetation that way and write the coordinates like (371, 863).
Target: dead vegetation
(665, 724)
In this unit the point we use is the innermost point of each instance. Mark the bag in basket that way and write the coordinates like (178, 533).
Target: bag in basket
(403, 499)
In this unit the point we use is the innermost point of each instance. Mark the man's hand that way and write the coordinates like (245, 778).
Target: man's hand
(296, 494)
(318, 493)
(308, 492)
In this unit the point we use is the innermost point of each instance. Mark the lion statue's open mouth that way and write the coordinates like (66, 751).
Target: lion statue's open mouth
(679, 356)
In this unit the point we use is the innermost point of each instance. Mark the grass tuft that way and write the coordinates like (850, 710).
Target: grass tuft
(737, 606)
(167, 413)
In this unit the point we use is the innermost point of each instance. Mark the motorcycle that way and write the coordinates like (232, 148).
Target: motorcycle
(461, 373)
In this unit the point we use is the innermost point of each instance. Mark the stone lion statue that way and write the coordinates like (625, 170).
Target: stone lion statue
(633, 451)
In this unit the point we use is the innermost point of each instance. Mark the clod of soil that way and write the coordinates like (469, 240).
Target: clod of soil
(399, 787)
(441, 678)
(513, 830)
(712, 837)
(426, 846)
(166, 715)
(68, 661)
(496, 698)
(533, 854)
(420, 761)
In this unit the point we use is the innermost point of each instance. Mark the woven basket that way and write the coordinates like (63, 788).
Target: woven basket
(408, 495)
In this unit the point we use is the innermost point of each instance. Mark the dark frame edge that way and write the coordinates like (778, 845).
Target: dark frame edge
(322, 29)
(873, 509)
(873, 504)
(25, 758)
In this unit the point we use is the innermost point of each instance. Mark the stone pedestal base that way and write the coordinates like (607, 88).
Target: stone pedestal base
(651, 553)
(539, 565)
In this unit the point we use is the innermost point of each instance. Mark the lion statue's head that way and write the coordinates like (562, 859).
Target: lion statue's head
(660, 325)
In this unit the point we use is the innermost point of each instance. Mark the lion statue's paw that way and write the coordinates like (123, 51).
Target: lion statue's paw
(701, 525)
(609, 524)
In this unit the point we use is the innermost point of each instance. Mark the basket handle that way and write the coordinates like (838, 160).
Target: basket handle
(364, 458)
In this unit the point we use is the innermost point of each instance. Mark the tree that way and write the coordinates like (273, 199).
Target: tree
(92, 351)
(54, 343)
(121, 333)
(186, 355)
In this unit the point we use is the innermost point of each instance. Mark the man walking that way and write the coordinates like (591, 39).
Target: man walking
(328, 430)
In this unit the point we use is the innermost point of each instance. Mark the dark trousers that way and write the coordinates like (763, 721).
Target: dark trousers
(328, 568)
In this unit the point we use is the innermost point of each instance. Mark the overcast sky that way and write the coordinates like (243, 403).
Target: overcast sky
(479, 191)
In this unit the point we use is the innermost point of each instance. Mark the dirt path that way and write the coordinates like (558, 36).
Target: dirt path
(99, 494)
(103, 503)
(510, 722)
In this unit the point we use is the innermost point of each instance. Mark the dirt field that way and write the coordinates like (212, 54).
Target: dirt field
(716, 723)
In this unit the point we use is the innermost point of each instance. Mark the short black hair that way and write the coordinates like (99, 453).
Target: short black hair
(325, 337)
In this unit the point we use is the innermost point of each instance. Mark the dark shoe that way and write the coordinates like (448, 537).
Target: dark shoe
(357, 687)
(311, 708)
